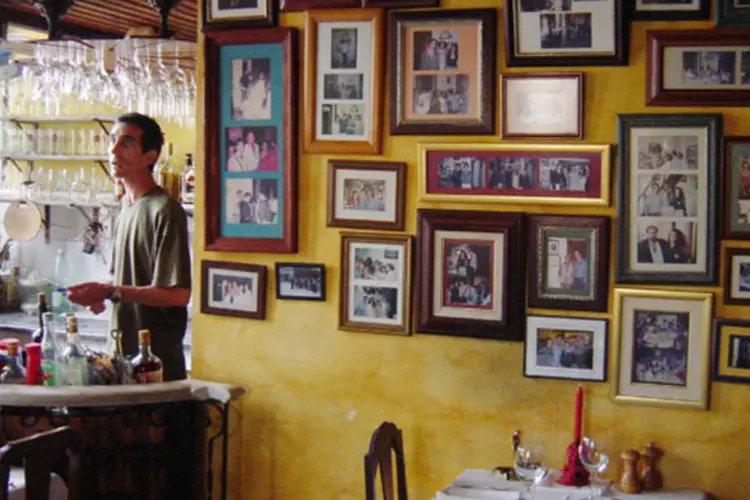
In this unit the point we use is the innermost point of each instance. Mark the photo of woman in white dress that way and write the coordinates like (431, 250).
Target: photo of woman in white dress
(251, 89)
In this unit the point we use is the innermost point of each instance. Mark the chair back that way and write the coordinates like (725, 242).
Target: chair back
(385, 443)
(39, 454)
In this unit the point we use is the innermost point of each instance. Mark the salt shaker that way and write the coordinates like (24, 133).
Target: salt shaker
(629, 482)
(650, 476)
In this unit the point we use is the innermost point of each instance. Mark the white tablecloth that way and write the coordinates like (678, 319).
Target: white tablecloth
(17, 487)
(483, 485)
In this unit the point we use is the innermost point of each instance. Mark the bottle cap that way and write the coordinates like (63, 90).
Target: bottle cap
(41, 297)
(33, 349)
(12, 348)
(144, 337)
(47, 316)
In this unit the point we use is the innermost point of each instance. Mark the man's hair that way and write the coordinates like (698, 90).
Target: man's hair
(152, 137)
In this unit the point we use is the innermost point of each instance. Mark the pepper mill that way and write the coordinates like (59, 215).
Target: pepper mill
(650, 476)
(629, 480)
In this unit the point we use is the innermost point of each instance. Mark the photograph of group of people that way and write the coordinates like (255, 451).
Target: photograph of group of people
(668, 153)
(468, 274)
(436, 50)
(743, 189)
(251, 89)
(568, 268)
(252, 149)
(660, 354)
(346, 120)
(565, 174)
(233, 292)
(375, 283)
(669, 195)
(565, 348)
(365, 194)
(739, 351)
(441, 94)
(300, 281)
(377, 264)
(251, 201)
(705, 68)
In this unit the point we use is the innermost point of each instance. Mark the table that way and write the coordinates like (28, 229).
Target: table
(484, 485)
(17, 486)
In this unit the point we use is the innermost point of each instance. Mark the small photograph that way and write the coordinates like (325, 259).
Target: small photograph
(512, 173)
(706, 67)
(743, 274)
(300, 281)
(745, 68)
(343, 119)
(375, 302)
(739, 351)
(343, 86)
(540, 5)
(564, 174)
(565, 348)
(251, 201)
(464, 172)
(232, 291)
(668, 152)
(251, 89)
(365, 194)
(435, 50)
(468, 274)
(252, 149)
(668, 195)
(666, 242)
(660, 350)
(237, 4)
(568, 268)
(377, 264)
(441, 94)
(343, 48)
(565, 31)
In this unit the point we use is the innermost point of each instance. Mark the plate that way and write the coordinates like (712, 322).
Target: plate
(22, 221)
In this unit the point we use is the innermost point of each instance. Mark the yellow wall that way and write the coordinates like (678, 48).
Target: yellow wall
(316, 393)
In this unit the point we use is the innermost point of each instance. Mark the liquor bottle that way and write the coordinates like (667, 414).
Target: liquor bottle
(188, 180)
(41, 307)
(166, 175)
(147, 367)
(52, 372)
(74, 358)
(13, 372)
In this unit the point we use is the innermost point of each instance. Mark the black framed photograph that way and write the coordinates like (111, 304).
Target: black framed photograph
(731, 351)
(566, 348)
(300, 281)
(233, 289)
(737, 276)
(732, 13)
(238, 13)
(566, 33)
(671, 10)
(735, 187)
(667, 198)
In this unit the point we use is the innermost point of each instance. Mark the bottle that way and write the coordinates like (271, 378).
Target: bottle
(13, 372)
(41, 307)
(162, 163)
(33, 363)
(166, 175)
(147, 367)
(74, 358)
(52, 373)
(188, 180)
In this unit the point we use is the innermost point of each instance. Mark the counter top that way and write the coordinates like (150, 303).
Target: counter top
(118, 395)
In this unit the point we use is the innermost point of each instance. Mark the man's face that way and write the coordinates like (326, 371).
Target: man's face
(652, 233)
(126, 158)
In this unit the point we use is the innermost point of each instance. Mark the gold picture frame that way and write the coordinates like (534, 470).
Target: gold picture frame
(581, 173)
(343, 93)
(662, 348)
(731, 356)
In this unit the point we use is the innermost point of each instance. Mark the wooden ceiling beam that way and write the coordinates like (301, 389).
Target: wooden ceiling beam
(9, 14)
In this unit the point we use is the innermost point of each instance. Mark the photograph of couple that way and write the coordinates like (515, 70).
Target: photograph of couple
(252, 201)
(251, 89)
(468, 280)
(568, 265)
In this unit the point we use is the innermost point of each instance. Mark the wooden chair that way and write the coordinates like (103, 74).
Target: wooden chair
(385, 442)
(39, 454)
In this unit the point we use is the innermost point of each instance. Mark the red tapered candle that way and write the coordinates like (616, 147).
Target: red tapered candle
(579, 409)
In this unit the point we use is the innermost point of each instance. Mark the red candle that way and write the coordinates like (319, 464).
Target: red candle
(579, 409)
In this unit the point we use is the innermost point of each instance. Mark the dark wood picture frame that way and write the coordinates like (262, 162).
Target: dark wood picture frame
(484, 123)
(729, 16)
(300, 5)
(400, 4)
(541, 227)
(507, 224)
(702, 13)
(713, 124)
(720, 358)
(729, 254)
(619, 57)
(296, 265)
(580, 115)
(214, 41)
(656, 44)
(206, 288)
(251, 22)
(335, 166)
(731, 183)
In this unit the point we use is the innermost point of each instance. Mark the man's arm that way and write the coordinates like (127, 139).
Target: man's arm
(88, 294)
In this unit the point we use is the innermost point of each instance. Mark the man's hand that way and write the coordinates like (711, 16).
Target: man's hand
(98, 308)
(89, 294)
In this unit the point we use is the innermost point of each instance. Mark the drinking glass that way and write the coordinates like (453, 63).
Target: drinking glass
(529, 466)
(595, 460)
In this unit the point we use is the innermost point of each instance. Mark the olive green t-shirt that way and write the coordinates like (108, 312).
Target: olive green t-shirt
(151, 248)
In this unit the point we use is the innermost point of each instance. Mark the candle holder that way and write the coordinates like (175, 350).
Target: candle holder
(574, 473)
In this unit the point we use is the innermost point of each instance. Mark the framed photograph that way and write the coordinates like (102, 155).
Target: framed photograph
(732, 13)
(238, 13)
(731, 353)
(470, 274)
(300, 5)
(230, 289)
(698, 68)
(251, 138)
(566, 33)
(542, 105)
(538, 174)
(671, 10)
(666, 199)
(400, 4)
(300, 281)
(375, 283)
(344, 81)
(566, 348)
(366, 194)
(443, 71)
(735, 187)
(662, 348)
(737, 276)
(568, 262)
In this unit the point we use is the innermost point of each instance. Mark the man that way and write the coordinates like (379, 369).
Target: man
(580, 272)
(652, 249)
(150, 252)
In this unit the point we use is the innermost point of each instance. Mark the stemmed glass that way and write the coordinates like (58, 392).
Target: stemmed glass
(595, 460)
(529, 465)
